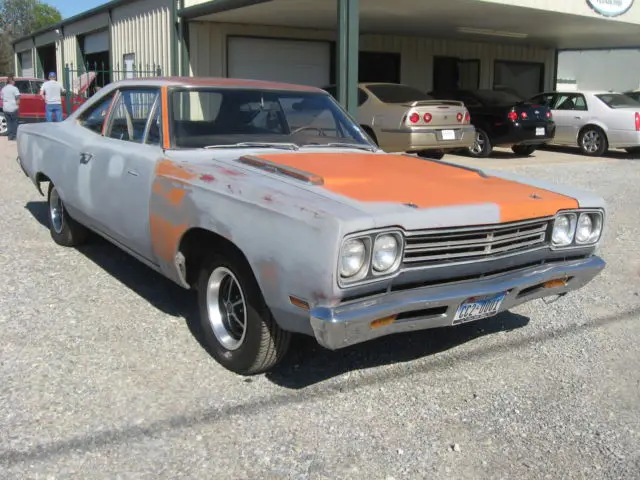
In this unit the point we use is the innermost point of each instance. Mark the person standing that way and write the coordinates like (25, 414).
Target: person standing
(52, 92)
(10, 105)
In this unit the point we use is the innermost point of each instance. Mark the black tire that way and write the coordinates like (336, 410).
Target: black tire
(65, 231)
(369, 131)
(263, 344)
(3, 125)
(633, 150)
(435, 154)
(523, 150)
(593, 141)
(482, 147)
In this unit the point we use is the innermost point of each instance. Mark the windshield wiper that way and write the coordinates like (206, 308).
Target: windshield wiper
(341, 145)
(283, 146)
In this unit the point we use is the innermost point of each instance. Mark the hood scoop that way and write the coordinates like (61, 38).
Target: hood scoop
(268, 166)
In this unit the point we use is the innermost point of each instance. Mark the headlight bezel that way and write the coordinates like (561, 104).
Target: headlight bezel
(577, 214)
(368, 274)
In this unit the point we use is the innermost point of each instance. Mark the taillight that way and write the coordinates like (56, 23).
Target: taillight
(467, 117)
(637, 122)
(549, 114)
(524, 115)
(460, 117)
(428, 117)
(414, 118)
(513, 116)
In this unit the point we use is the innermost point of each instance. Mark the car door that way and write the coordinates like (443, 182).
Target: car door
(29, 108)
(123, 162)
(38, 100)
(570, 114)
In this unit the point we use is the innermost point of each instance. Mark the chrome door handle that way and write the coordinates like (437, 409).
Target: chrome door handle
(578, 118)
(85, 158)
(133, 172)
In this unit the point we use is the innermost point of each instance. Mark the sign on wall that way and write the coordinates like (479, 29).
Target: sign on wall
(610, 8)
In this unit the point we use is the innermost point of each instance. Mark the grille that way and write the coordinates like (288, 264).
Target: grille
(453, 245)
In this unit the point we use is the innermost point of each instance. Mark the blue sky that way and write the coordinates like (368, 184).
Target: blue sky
(69, 8)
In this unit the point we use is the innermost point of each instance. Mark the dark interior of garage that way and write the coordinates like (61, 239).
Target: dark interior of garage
(100, 63)
(46, 59)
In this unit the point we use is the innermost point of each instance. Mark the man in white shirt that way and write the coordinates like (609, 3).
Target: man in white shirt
(10, 105)
(52, 92)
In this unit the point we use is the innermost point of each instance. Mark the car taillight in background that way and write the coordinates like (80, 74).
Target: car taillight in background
(428, 117)
(524, 115)
(414, 118)
(513, 116)
(460, 117)
(549, 114)
(467, 117)
(637, 122)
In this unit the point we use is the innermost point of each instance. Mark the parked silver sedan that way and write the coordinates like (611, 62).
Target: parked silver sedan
(401, 118)
(594, 120)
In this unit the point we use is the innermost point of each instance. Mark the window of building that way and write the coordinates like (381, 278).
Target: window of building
(525, 79)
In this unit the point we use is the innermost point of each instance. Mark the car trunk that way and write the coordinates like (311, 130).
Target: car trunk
(434, 113)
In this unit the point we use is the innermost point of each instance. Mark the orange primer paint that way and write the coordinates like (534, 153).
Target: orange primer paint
(406, 179)
(165, 118)
(165, 237)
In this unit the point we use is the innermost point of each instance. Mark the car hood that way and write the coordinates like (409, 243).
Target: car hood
(368, 180)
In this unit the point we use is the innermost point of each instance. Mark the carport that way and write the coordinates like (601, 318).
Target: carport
(472, 43)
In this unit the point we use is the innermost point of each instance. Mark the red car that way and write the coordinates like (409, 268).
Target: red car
(32, 107)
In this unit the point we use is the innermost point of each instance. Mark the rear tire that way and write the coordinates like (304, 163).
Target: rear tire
(65, 231)
(482, 147)
(523, 150)
(4, 127)
(240, 331)
(593, 141)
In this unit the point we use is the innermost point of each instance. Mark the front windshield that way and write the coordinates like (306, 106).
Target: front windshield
(215, 117)
(395, 93)
(618, 100)
(497, 97)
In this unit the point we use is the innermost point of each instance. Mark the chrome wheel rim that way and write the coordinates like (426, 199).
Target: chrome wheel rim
(56, 211)
(226, 307)
(3, 125)
(591, 141)
(478, 145)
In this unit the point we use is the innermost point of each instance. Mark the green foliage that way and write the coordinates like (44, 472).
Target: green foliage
(19, 18)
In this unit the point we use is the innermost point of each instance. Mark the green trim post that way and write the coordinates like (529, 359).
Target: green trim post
(66, 83)
(348, 53)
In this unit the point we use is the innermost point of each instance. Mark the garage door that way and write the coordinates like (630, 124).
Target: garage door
(292, 61)
(26, 62)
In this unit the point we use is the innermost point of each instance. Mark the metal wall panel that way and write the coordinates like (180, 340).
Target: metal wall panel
(87, 25)
(142, 28)
(46, 38)
(24, 45)
(209, 57)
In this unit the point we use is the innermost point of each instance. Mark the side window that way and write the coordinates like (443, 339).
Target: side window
(154, 135)
(93, 119)
(36, 86)
(362, 96)
(570, 102)
(544, 99)
(308, 114)
(24, 86)
(580, 102)
(130, 114)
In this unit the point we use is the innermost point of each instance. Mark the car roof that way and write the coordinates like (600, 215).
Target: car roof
(220, 82)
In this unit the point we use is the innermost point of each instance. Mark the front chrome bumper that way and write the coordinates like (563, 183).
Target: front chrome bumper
(435, 306)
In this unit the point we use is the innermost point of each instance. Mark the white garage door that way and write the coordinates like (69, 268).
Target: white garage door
(291, 61)
(26, 62)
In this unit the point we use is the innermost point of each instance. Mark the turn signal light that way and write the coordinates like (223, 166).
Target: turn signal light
(513, 116)
(383, 322)
(560, 282)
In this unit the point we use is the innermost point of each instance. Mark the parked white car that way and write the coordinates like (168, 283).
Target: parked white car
(594, 120)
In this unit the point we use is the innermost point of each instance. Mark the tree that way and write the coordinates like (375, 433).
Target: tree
(19, 18)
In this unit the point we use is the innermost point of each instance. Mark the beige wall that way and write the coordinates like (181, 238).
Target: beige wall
(144, 29)
(575, 7)
(208, 51)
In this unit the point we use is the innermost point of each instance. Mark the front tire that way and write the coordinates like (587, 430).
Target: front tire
(65, 231)
(523, 150)
(238, 326)
(482, 147)
(593, 142)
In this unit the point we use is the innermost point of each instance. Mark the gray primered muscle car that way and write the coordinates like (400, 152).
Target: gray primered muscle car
(274, 205)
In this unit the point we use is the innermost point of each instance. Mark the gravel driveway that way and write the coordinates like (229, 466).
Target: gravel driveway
(102, 374)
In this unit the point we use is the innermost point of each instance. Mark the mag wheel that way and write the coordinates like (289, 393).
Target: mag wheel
(65, 231)
(482, 147)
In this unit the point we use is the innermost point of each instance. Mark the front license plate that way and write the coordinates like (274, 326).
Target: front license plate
(448, 135)
(478, 307)
(539, 131)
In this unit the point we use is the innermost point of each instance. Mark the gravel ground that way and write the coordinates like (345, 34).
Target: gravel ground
(102, 374)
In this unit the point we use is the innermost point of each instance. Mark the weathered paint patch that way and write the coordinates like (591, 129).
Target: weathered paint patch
(165, 236)
(207, 178)
(231, 173)
(170, 169)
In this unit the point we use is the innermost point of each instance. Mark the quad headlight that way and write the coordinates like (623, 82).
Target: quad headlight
(370, 256)
(577, 229)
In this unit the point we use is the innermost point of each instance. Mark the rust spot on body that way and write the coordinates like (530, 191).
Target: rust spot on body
(268, 198)
(232, 173)
(207, 178)
(165, 237)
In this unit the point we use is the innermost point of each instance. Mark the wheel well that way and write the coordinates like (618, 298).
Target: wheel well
(197, 243)
(41, 178)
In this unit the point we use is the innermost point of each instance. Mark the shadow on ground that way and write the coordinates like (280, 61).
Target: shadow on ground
(575, 151)
(307, 363)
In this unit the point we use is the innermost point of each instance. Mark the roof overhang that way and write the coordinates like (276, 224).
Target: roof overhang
(470, 20)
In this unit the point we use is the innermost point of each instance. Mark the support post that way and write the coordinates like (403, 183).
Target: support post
(348, 53)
